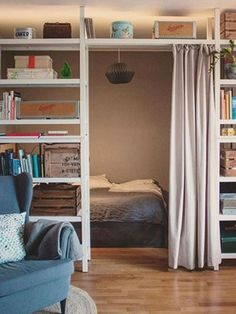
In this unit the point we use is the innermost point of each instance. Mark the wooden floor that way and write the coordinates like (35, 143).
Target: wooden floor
(138, 281)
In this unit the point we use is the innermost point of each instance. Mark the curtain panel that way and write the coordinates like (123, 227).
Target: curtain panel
(194, 235)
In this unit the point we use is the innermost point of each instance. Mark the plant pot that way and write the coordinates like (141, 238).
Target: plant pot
(230, 70)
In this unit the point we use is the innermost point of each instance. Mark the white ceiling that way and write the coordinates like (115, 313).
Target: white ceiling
(141, 13)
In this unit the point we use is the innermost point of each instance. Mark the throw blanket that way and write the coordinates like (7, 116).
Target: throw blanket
(43, 240)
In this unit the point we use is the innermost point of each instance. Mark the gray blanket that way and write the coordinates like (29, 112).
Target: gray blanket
(43, 240)
(127, 207)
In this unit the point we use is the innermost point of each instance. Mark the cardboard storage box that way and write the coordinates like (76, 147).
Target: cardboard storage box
(56, 199)
(174, 29)
(48, 109)
(228, 162)
(33, 62)
(61, 160)
(14, 73)
(228, 25)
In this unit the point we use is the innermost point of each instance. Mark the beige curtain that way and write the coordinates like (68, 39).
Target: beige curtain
(194, 238)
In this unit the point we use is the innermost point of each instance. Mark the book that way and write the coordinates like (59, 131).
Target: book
(222, 104)
(89, 28)
(233, 107)
(31, 134)
(57, 132)
(29, 164)
(21, 154)
(35, 166)
(16, 167)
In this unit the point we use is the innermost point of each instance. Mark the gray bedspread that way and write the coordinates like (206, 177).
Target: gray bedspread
(127, 207)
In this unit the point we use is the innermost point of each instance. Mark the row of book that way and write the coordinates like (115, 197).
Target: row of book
(12, 163)
(9, 104)
(227, 104)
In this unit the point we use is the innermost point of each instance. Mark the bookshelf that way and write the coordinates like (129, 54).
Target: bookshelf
(81, 84)
(222, 83)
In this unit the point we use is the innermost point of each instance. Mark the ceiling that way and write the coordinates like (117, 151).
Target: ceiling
(141, 13)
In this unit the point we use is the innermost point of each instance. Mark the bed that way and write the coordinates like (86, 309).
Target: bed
(127, 219)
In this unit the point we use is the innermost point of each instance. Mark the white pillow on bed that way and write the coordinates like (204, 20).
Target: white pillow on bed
(134, 183)
(136, 187)
(99, 182)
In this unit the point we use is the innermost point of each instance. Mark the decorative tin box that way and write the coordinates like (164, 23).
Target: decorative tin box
(121, 29)
(24, 33)
(174, 29)
(33, 62)
(14, 73)
(57, 30)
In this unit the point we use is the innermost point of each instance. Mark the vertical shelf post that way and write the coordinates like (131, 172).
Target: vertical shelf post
(84, 146)
(217, 104)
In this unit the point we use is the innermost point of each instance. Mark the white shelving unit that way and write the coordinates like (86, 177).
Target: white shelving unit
(77, 45)
(222, 83)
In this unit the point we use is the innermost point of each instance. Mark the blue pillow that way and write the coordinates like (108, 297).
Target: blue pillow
(12, 237)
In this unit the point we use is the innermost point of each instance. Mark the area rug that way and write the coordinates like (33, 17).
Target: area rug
(78, 302)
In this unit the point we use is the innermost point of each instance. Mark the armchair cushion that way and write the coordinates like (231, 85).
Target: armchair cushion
(25, 274)
(12, 237)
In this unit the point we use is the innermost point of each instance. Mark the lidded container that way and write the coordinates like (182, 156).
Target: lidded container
(24, 33)
(122, 29)
(32, 62)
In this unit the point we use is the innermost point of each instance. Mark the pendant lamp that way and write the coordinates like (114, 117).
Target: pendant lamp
(119, 73)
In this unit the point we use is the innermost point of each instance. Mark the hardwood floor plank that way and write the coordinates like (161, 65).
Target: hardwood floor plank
(138, 281)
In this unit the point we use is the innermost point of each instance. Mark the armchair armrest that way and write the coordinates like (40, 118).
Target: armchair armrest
(46, 239)
(65, 242)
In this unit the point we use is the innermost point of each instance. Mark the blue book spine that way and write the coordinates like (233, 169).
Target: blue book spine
(234, 107)
(16, 167)
(35, 166)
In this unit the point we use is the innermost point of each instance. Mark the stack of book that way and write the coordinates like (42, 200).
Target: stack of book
(14, 163)
(32, 67)
(228, 203)
(227, 104)
(9, 105)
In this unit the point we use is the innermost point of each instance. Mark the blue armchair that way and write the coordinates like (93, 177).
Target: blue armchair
(30, 285)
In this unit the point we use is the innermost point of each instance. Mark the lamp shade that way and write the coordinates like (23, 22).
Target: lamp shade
(118, 73)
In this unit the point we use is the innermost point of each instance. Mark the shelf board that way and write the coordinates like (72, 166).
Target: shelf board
(227, 139)
(227, 217)
(228, 255)
(229, 121)
(57, 218)
(144, 43)
(227, 82)
(57, 180)
(227, 179)
(39, 121)
(60, 44)
(40, 82)
(41, 139)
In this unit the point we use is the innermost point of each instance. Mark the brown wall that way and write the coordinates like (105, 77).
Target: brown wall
(130, 123)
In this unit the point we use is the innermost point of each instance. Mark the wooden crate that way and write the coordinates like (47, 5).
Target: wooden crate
(228, 25)
(228, 162)
(55, 200)
(61, 160)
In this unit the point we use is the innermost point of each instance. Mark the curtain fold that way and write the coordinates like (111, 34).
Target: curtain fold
(194, 237)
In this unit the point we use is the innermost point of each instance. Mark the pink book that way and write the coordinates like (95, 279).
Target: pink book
(36, 134)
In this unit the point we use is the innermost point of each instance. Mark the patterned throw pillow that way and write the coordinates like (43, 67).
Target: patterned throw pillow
(12, 237)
